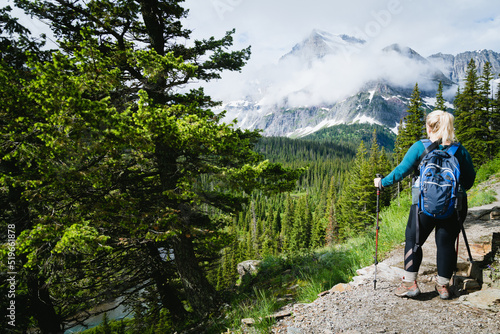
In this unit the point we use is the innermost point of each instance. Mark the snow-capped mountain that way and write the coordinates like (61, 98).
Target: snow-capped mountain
(335, 79)
(321, 43)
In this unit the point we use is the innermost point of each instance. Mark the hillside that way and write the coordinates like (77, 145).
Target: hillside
(357, 308)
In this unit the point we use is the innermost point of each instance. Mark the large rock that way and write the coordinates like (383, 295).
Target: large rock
(486, 299)
(248, 268)
(384, 272)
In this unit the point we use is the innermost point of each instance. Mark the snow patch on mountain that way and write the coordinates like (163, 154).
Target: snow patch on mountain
(372, 92)
(432, 101)
(311, 129)
(366, 120)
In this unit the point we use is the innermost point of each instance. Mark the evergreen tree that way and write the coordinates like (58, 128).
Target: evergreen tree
(414, 124)
(374, 169)
(113, 156)
(384, 167)
(486, 111)
(471, 115)
(399, 149)
(319, 228)
(288, 224)
(332, 230)
(301, 232)
(352, 208)
(440, 102)
(494, 124)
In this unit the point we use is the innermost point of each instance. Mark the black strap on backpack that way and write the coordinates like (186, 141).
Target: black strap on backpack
(428, 149)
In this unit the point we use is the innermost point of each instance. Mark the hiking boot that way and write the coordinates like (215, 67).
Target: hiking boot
(443, 291)
(408, 289)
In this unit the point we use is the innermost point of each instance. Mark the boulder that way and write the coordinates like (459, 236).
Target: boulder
(486, 299)
(248, 268)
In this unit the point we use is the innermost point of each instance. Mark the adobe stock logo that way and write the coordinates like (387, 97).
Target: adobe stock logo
(381, 19)
(224, 6)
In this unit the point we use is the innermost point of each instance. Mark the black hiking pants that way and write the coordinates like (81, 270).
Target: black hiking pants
(446, 234)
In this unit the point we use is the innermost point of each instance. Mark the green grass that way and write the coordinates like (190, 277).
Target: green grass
(480, 194)
(303, 275)
(487, 170)
(481, 197)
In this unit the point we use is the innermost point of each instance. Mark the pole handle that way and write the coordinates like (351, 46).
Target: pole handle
(381, 177)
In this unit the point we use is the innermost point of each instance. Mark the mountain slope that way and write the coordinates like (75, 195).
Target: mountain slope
(329, 79)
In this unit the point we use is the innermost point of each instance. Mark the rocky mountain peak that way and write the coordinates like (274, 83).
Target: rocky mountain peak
(404, 51)
(454, 67)
(321, 43)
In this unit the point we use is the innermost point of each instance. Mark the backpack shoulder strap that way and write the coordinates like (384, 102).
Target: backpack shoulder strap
(452, 149)
(426, 142)
(429, 146)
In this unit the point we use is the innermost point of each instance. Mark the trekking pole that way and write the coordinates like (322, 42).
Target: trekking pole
(474, 271)
(466, 243)
(379, 188)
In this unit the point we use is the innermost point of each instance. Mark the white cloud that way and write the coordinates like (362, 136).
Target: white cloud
(427, 26)
(322, 82)
(272, 28)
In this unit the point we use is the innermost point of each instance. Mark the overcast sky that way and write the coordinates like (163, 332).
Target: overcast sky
(272, 27)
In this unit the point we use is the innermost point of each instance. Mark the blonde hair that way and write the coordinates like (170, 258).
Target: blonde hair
(441, 126)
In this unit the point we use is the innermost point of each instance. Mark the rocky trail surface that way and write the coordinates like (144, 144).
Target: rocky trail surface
(356, 307)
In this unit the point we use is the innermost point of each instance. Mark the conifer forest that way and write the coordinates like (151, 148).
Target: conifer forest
(116, 183)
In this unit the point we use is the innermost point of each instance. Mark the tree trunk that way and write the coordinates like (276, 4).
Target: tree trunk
(200, 293)
(168, 295)
(41, 306)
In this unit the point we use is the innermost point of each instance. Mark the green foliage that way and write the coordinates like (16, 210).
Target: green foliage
(494, 123)
(487, 170)
(106, 162)
(81, 238)
(480, 193)
(440, 102)
(476, 115)
(110, 326)
(412, 127)
(357, 202)
(350, 136)
(259, 309)
(478, 198)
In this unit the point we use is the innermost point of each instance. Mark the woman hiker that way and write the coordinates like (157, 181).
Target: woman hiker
(439, 126)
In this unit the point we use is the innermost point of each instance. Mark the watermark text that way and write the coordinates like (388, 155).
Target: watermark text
(11, 275)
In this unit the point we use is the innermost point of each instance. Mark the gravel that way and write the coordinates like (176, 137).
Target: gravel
(365, 310)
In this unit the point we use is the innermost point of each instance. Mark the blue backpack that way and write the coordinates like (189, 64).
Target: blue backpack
(439, 181)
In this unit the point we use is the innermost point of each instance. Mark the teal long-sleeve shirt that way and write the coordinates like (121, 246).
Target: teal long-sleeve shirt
(407, 166)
